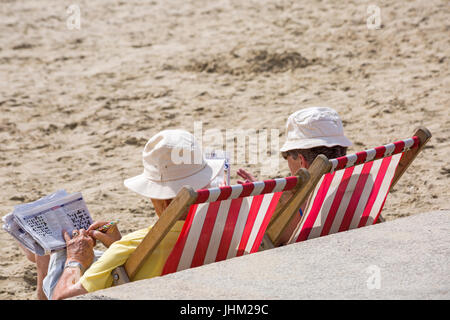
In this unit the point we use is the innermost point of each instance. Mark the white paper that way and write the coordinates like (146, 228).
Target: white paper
(46, 222)
(11, 226)
(223, 178)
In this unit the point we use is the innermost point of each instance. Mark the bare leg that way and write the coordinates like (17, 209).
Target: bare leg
(30, 255)
(42, 268)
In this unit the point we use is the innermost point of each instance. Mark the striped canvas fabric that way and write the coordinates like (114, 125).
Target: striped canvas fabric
(226, 222)
(352, 195)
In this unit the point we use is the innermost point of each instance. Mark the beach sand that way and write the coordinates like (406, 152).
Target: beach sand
(77, 106)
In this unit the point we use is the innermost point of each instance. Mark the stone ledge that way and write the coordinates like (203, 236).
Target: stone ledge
(411, 256)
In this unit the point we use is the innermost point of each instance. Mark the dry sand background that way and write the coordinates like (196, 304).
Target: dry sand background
(77, 106)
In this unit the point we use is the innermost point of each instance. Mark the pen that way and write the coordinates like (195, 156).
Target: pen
(105, 227)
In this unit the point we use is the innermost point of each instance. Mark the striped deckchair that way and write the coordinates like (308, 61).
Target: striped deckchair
(349, 192)
(221, 223)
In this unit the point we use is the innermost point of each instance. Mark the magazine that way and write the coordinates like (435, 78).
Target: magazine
(39, 225)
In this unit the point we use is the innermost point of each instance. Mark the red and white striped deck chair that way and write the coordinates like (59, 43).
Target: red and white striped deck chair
(352, 190)
(226, 222)
(221, 223)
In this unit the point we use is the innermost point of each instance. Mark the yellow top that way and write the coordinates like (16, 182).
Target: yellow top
(98, 276)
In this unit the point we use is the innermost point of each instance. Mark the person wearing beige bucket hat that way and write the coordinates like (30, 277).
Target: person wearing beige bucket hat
(171, 160)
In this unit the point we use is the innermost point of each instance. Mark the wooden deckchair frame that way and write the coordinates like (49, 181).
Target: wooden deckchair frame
(177, 208)
(321, 166)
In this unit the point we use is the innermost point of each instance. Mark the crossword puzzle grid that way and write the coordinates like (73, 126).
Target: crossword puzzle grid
(80, 219)
(39, 225)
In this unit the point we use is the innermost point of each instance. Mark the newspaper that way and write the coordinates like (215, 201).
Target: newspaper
(223, 178)
(39, 225)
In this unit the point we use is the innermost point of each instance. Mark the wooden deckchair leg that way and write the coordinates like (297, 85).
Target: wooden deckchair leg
(179, 205)
(303, 176)
(380, 219)
(266, 243)
(424, 136)
(120, 276)
(277, 226)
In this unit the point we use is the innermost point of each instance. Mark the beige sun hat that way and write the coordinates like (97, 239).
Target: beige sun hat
(314, 127)
(173, 159)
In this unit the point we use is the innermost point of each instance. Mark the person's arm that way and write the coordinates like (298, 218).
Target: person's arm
(80, 250)
(68, 285)
(108, 237)
(248, 177)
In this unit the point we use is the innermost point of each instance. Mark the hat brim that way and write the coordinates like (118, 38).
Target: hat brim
(142, 185)
(316, 142)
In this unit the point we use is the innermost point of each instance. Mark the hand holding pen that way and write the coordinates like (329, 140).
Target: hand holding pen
(107, 226)
(106, 232)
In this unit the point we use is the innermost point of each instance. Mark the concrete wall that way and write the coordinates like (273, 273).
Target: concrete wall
(410, 257)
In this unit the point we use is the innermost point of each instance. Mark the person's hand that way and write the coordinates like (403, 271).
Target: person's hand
(80, 247)
(248, 177)
(108, 237)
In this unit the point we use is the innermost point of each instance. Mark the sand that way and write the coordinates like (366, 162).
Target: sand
(77, 106)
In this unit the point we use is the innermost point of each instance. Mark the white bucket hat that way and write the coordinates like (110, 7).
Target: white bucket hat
(173, 159)
(314, 127)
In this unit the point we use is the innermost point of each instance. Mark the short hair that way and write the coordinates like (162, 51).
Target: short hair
(310, 154)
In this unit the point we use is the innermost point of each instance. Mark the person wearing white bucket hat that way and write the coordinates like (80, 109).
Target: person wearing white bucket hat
(310, 132)
(171, 160)
(314, 127)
